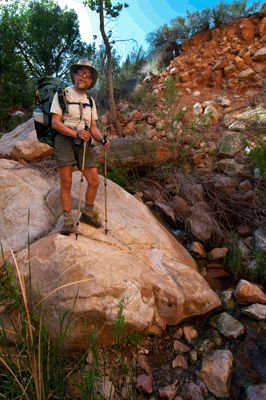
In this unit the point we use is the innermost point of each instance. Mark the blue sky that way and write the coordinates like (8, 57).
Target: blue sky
(136, 21)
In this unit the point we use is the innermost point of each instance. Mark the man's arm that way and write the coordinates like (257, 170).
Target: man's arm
(95, 133)
(59, 126)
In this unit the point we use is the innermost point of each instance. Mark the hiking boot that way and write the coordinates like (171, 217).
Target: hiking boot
(68, 224)
(92, 221)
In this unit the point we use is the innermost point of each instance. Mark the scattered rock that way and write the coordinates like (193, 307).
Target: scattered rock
(191, 391)
(198, 250)
(260, 239)
(228, 299)
(179, 362)
(221, 63)
(216, 371)
(190, 334)
(244, 230)
(217, 253)
(256, 311)
(260, 55)
(229, 144)
(180, 347)
(168, 392)
(233, 168)
(144, 383)
(257, 392)
(197, 109)
(227, 325)
(106, 389)
(249, 293)
(22, 143)
(178, 333)
(225, 184)
(193, 356)
(200, 222)
(180, 205)
(143, 363)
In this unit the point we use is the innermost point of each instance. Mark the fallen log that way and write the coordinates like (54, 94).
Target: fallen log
(136, 153)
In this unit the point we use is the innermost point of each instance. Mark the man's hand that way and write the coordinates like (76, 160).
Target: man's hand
(84, 135)
(106, 144)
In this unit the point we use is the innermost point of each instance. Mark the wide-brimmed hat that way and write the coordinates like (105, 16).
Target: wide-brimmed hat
(84, 63)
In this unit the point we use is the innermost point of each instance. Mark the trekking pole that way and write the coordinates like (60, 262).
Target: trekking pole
(105, 184)
(81, 180)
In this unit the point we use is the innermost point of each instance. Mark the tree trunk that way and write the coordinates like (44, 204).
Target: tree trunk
(110, 74)
(132, 152)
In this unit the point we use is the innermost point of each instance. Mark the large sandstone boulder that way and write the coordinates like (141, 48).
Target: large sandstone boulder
(23, 210)
(22, 143)
(137, 264)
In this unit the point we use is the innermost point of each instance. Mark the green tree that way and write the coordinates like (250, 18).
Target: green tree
(15, 89)
(105, 9)
(46, 36)
(199, 21)
(165, 41)
(241, 9)
(132, 66)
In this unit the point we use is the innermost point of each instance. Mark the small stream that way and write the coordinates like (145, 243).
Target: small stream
(249, 352)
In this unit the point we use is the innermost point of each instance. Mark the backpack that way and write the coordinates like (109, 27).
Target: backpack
(47, 87)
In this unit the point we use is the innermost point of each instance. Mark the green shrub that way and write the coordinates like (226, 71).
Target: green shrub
(233, 258)
(15, 121)
(143, 97)
(258, 155)
(259, 273)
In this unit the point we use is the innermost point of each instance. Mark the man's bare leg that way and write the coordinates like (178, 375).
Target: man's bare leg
(65, 176)
(87, 216)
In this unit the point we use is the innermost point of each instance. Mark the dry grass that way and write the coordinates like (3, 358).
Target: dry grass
(46, 166)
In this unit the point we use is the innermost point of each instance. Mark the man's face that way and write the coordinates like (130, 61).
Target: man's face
(83, 78)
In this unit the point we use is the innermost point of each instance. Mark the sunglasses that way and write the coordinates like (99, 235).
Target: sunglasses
(88, 75)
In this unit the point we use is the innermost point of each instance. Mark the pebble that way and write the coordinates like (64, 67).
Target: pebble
(249, 293)
(227, 325)
(217, 368)
(193, 356)
(181, 347)
(190, 334)
(168, 392)
(144, 383)
(256, 311)
(179, 362)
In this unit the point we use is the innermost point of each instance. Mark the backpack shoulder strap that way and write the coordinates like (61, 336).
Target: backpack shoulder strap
(64, 102)
(90, 101)
(62, 98)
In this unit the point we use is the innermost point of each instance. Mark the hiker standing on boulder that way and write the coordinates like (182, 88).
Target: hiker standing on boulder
(76, 124)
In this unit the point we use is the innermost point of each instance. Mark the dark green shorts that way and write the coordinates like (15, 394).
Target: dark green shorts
(68, 153)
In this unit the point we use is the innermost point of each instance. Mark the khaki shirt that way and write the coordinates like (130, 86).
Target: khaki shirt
(71, 117)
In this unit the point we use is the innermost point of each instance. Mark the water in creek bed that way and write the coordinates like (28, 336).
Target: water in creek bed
(249, 352)
(249, 358)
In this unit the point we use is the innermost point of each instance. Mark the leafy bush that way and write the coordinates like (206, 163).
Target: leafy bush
(258, 155)
(15, 121)
(143, 97)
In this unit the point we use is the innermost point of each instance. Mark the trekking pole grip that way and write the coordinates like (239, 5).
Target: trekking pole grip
(104, 139)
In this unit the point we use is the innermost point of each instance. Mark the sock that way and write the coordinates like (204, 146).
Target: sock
(68, 219)
(89, 210)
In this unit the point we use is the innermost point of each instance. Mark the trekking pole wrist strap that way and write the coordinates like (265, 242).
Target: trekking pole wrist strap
(104, 140)
(78, 134)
